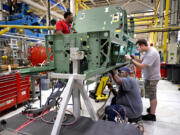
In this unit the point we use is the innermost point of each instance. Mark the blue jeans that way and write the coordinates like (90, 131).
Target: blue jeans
(109, 110)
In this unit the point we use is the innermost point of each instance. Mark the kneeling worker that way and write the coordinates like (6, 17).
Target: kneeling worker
(127, 97)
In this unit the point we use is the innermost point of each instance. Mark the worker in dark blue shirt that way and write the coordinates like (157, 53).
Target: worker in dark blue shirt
(127, 99)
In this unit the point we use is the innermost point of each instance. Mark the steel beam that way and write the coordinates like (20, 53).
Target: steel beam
(142, 19)
(81, 4)
(161, 29)
(22, 37)
(161, 11)
(92, 1)
(66, 76)
(55, 5)
(48, 17)
(156, 9)
(165, 33)
(144, 4)
(142, 23)
(36, 5)
(58, 4)
(5, 30)
(154, 18)
(43, 4)
(36, 69)
(151, 35)
(85, 5)
(155, 34)
(76, 6)
(126, 3)
(27, 27)
(108, 2)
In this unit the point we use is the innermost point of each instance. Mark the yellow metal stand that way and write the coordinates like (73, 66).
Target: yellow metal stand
(98, 94)
(99, 91)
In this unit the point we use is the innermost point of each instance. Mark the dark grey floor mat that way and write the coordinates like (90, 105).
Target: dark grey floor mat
(83, 126)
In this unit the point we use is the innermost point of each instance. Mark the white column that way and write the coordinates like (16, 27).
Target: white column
(1, 13)
(76, 93)
(72, 6)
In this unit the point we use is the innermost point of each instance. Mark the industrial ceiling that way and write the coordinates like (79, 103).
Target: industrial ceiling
(131, 6)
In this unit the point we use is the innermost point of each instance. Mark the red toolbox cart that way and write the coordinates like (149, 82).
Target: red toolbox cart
(14, 89)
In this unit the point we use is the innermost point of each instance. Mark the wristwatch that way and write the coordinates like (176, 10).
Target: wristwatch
(132, 56)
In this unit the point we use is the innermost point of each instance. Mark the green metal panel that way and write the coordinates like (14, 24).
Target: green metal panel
(132, 27)
(36, 69)
(99, 19)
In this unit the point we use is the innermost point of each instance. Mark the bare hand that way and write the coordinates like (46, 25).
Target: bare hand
(128, 57)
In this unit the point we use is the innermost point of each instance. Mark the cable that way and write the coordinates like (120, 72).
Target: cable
(65, 119)
(42, 115)
(34, 118)
(99, 111)
(46, 121)
(29, 121)
(70, 123)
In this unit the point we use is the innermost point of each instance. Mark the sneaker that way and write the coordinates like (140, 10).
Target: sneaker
(149, 117)
(148, 110)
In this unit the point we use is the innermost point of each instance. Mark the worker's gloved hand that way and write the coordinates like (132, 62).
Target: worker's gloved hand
(112, 72)
(110, 86)
(128, 57)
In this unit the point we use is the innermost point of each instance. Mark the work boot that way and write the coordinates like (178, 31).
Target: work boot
(148, 110)
(135, 120)
(149, 117)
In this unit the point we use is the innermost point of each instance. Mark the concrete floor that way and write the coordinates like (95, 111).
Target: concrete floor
(168, 110)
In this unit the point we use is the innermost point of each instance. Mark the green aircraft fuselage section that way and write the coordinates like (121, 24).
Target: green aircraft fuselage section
(102, 33)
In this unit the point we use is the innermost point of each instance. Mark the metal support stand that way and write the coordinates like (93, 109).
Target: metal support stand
(74, 87)
(33, 78)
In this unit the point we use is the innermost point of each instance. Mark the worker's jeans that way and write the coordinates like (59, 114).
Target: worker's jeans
(114, 110)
